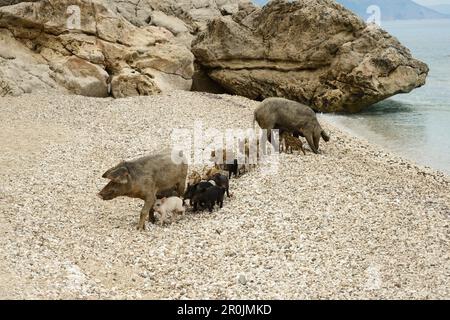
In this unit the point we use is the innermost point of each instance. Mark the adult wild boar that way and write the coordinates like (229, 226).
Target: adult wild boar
(288, 115)
(143, 178)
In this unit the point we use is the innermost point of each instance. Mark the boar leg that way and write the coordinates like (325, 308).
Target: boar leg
(178, 214)
(149, 202)
(181, 186)
(236, 169)
(269, 135)
(282, 147)
(163, 217)
(151, 216)
(211, 206)
(303, 149)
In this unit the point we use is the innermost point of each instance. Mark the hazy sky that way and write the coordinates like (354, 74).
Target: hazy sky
(431, 2)
(423, 2)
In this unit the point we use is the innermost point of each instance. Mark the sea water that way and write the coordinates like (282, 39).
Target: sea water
(415, 125)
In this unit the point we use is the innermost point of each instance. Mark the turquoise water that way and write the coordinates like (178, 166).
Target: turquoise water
(415, 125)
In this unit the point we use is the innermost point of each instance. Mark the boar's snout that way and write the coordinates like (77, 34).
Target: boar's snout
(105, 195)
(189, 192)
(110, 191)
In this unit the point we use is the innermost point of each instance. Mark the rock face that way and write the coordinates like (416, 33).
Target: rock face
(100, 48)
(194, 13)
(312, 51)
(22, 70)
(11, 2)
(84, 47)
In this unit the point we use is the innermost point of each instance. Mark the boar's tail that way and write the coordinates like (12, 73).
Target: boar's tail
(325, 136)
(254, 120)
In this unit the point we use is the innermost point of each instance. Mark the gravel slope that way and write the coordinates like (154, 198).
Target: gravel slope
(352, 222)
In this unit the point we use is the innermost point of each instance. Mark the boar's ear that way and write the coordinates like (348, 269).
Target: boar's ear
(119, 175)
(163, 200)
(105, 175)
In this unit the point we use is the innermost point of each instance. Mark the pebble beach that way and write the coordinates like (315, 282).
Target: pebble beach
(354, 222)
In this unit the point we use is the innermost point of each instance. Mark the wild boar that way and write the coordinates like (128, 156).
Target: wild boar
(232, 167)
(209, 198)
(248, 155)
(280, 113)
(194, 178)
(168, 206)
(222, 181)
(193, 189)
(291, 143)
(143, 178)
(208, 173)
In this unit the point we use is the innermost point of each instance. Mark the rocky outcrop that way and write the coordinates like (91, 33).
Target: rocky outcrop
(99, 48)
(21, 69)
(312, 51)
(84, 47)
(195, 14)
(11, 2)
(184, 18)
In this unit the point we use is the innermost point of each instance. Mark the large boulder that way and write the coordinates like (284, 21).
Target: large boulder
(313, 51)
(85, 47)
(131, 83)
(81, 77)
